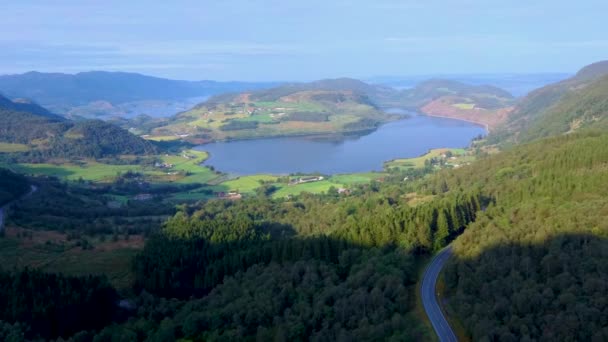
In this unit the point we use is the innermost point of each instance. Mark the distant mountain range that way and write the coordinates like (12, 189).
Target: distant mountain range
(93, 90)
(516, 84)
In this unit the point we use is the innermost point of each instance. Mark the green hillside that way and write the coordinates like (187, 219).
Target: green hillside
(46, 135)
(323, 107)
(564, 107)
(485, 96)
(533, 264)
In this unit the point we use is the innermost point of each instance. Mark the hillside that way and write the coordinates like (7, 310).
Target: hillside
(482, 104)
(563, 107)
(99, 93)
(323, 107)
(533, 264)
(41, 136)
(12, 186)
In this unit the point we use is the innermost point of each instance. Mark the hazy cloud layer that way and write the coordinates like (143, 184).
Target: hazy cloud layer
(280, 40)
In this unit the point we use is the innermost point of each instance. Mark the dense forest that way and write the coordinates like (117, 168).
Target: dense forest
(533, 266)
(39, 305)
(49, 136)
(88, 210)
(12, 186)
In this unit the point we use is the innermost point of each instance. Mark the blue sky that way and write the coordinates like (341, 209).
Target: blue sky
(302, 40)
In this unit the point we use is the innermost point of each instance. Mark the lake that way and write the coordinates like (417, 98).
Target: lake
(401, 139)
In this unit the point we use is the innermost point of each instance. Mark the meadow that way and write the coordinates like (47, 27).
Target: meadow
(11, 148)
(419, 162)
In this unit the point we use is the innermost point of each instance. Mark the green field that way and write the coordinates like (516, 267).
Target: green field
(262, 118)
(418, 162)
(356, 178)
(162, 138)
(91, 170)
(464, 105)
(247, 184)
(100, 172)
(304, 106)
(313, 188)
(8, 148)
(67, 258)
(190, 162)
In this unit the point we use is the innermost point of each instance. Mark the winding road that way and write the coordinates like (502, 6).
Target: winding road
(429, 297)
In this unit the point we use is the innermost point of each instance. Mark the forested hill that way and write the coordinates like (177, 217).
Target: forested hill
(533, 266)
(563, 107)
(12, 186)
(57, 90)
(24, 105)
(46, 135)
(485, 96)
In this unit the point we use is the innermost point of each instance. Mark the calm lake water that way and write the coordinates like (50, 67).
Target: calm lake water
(401, 139)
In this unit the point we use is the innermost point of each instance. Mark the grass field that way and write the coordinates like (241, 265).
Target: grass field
(262, 118)
(300, 106)
(418, 162)
(98, 172)
(92, 170)
(192, 165)
(313, 188)
(8, 148)
(50, 251)
(356, 178)
(162, 138)
(247, 184)
(464, 105)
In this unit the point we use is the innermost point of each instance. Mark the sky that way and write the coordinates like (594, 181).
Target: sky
(254, 40)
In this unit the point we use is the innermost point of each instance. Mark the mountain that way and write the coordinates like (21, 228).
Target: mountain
(516, 84)
(25, 105)
(46, 135)
(64, 92)
(575, 103)
(430, 90)
(321, 107)
(532, 265)
(483, 104)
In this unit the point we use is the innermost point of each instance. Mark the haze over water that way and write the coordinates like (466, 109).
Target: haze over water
(402, 139)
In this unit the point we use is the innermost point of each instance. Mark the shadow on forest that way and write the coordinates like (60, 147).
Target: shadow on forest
(181, 268)
(556, 290)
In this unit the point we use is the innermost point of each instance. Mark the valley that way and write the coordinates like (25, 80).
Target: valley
(261, 213)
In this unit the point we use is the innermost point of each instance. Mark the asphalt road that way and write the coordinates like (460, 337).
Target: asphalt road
(429, 297)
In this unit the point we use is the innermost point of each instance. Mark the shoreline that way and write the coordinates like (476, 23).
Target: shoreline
(484, 125)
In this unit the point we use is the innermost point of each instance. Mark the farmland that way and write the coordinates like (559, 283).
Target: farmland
(459, 157)
(253, 115)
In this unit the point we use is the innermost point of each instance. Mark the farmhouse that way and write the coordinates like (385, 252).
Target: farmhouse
(231, 195)
(343, 191)
(302, 180)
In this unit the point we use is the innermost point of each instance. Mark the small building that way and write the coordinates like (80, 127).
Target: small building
(143, 197)
(343, 191)
(302, 180)
(231, 195)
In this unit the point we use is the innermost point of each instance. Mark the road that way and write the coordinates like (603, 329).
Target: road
(429, 297)
(3, 209)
